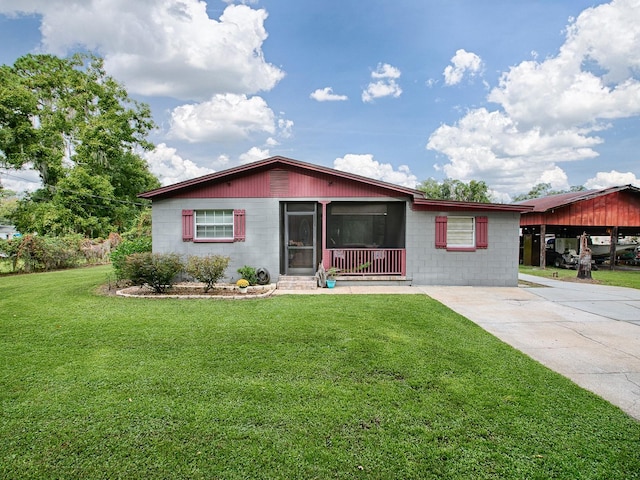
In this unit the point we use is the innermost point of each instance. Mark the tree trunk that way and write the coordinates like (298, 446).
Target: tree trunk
(584, 262)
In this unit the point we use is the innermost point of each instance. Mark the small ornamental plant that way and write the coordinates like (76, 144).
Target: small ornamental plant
(249, 274)
(242, 283)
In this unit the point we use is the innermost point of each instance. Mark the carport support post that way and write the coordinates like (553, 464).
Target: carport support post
(613, 240)
(543, 246)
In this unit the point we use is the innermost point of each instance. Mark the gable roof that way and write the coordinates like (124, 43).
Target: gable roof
(417, 196)
(545, 204)
(270, 163)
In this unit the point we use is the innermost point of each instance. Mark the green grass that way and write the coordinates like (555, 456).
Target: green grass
(620, 278)
(325, 386)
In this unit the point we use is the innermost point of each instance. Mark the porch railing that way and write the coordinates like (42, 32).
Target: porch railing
(369, 261)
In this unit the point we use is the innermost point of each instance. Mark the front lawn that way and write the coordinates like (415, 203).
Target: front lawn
(628, 277)
(326, 386)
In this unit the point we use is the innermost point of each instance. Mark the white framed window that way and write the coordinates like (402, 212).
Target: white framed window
(214, 224)
(461, 232)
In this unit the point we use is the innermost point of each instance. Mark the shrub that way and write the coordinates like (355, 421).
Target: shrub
(128, 247)
(9, 251)
(36, 252)
(249, 274)
(207, 270)
(156, 270)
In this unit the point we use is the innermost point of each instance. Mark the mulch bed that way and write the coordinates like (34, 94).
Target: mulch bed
(191, 290)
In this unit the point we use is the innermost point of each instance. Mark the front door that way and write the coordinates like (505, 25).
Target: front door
(300, 233)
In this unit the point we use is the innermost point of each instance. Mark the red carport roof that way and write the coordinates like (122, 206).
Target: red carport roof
(551, 202)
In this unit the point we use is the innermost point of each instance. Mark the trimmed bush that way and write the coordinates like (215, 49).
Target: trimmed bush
(207, 270)
(156, 270)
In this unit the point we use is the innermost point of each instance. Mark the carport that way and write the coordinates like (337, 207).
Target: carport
(613, 212)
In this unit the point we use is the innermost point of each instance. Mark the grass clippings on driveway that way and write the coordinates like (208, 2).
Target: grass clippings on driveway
(324, 386)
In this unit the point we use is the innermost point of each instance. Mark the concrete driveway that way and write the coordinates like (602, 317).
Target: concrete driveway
(588, 333)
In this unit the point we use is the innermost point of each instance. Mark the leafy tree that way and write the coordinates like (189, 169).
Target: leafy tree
(450, 189)
(8, 204)
(83, 134)
(544, 190)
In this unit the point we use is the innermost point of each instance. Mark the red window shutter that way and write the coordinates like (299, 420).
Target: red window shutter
(441, 232)
(187, 225)
(482, 232)
(239, 226)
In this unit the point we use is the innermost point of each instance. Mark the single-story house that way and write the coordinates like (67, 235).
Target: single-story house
(288, 217)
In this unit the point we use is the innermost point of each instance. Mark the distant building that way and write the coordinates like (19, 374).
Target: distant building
(8, 231)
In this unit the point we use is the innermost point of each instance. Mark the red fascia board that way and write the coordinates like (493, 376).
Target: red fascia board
(449, 205)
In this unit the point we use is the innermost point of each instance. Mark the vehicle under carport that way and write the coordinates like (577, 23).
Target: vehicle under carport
(613, 212)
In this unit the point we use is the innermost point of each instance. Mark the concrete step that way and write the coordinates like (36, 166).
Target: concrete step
(291, 282)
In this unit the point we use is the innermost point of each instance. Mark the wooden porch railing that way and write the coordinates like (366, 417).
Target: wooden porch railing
(369, 261)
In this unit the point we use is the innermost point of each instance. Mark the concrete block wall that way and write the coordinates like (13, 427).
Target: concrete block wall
(262, 221)
(495, 266)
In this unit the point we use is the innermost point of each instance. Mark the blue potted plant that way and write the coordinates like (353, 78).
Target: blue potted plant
(331, 277)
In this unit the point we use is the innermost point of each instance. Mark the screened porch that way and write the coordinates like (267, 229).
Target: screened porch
(365, 239)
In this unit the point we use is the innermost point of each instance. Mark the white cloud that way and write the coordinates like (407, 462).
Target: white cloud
(566, 91)
(253, 155)
(285, 128)
(222, 161)
(463, 63)
(170, 168)
(161, 47)
(489, 146)
(556, 177)
(385, 71)
(366, 166)
(550, 111)
(224, 118)
(612, 179)
(385, 86)
(326, 95)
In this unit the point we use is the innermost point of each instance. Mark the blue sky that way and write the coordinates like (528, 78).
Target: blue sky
(511, 93)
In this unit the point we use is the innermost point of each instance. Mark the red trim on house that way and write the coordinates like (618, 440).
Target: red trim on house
(326, 254)
(334, 182)
(187, 225)
(368, 261)
(430, 205)
(482, 232)
(281, 177)
(482, 235)
(239, 233)
(213, 240)
(441, 232)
